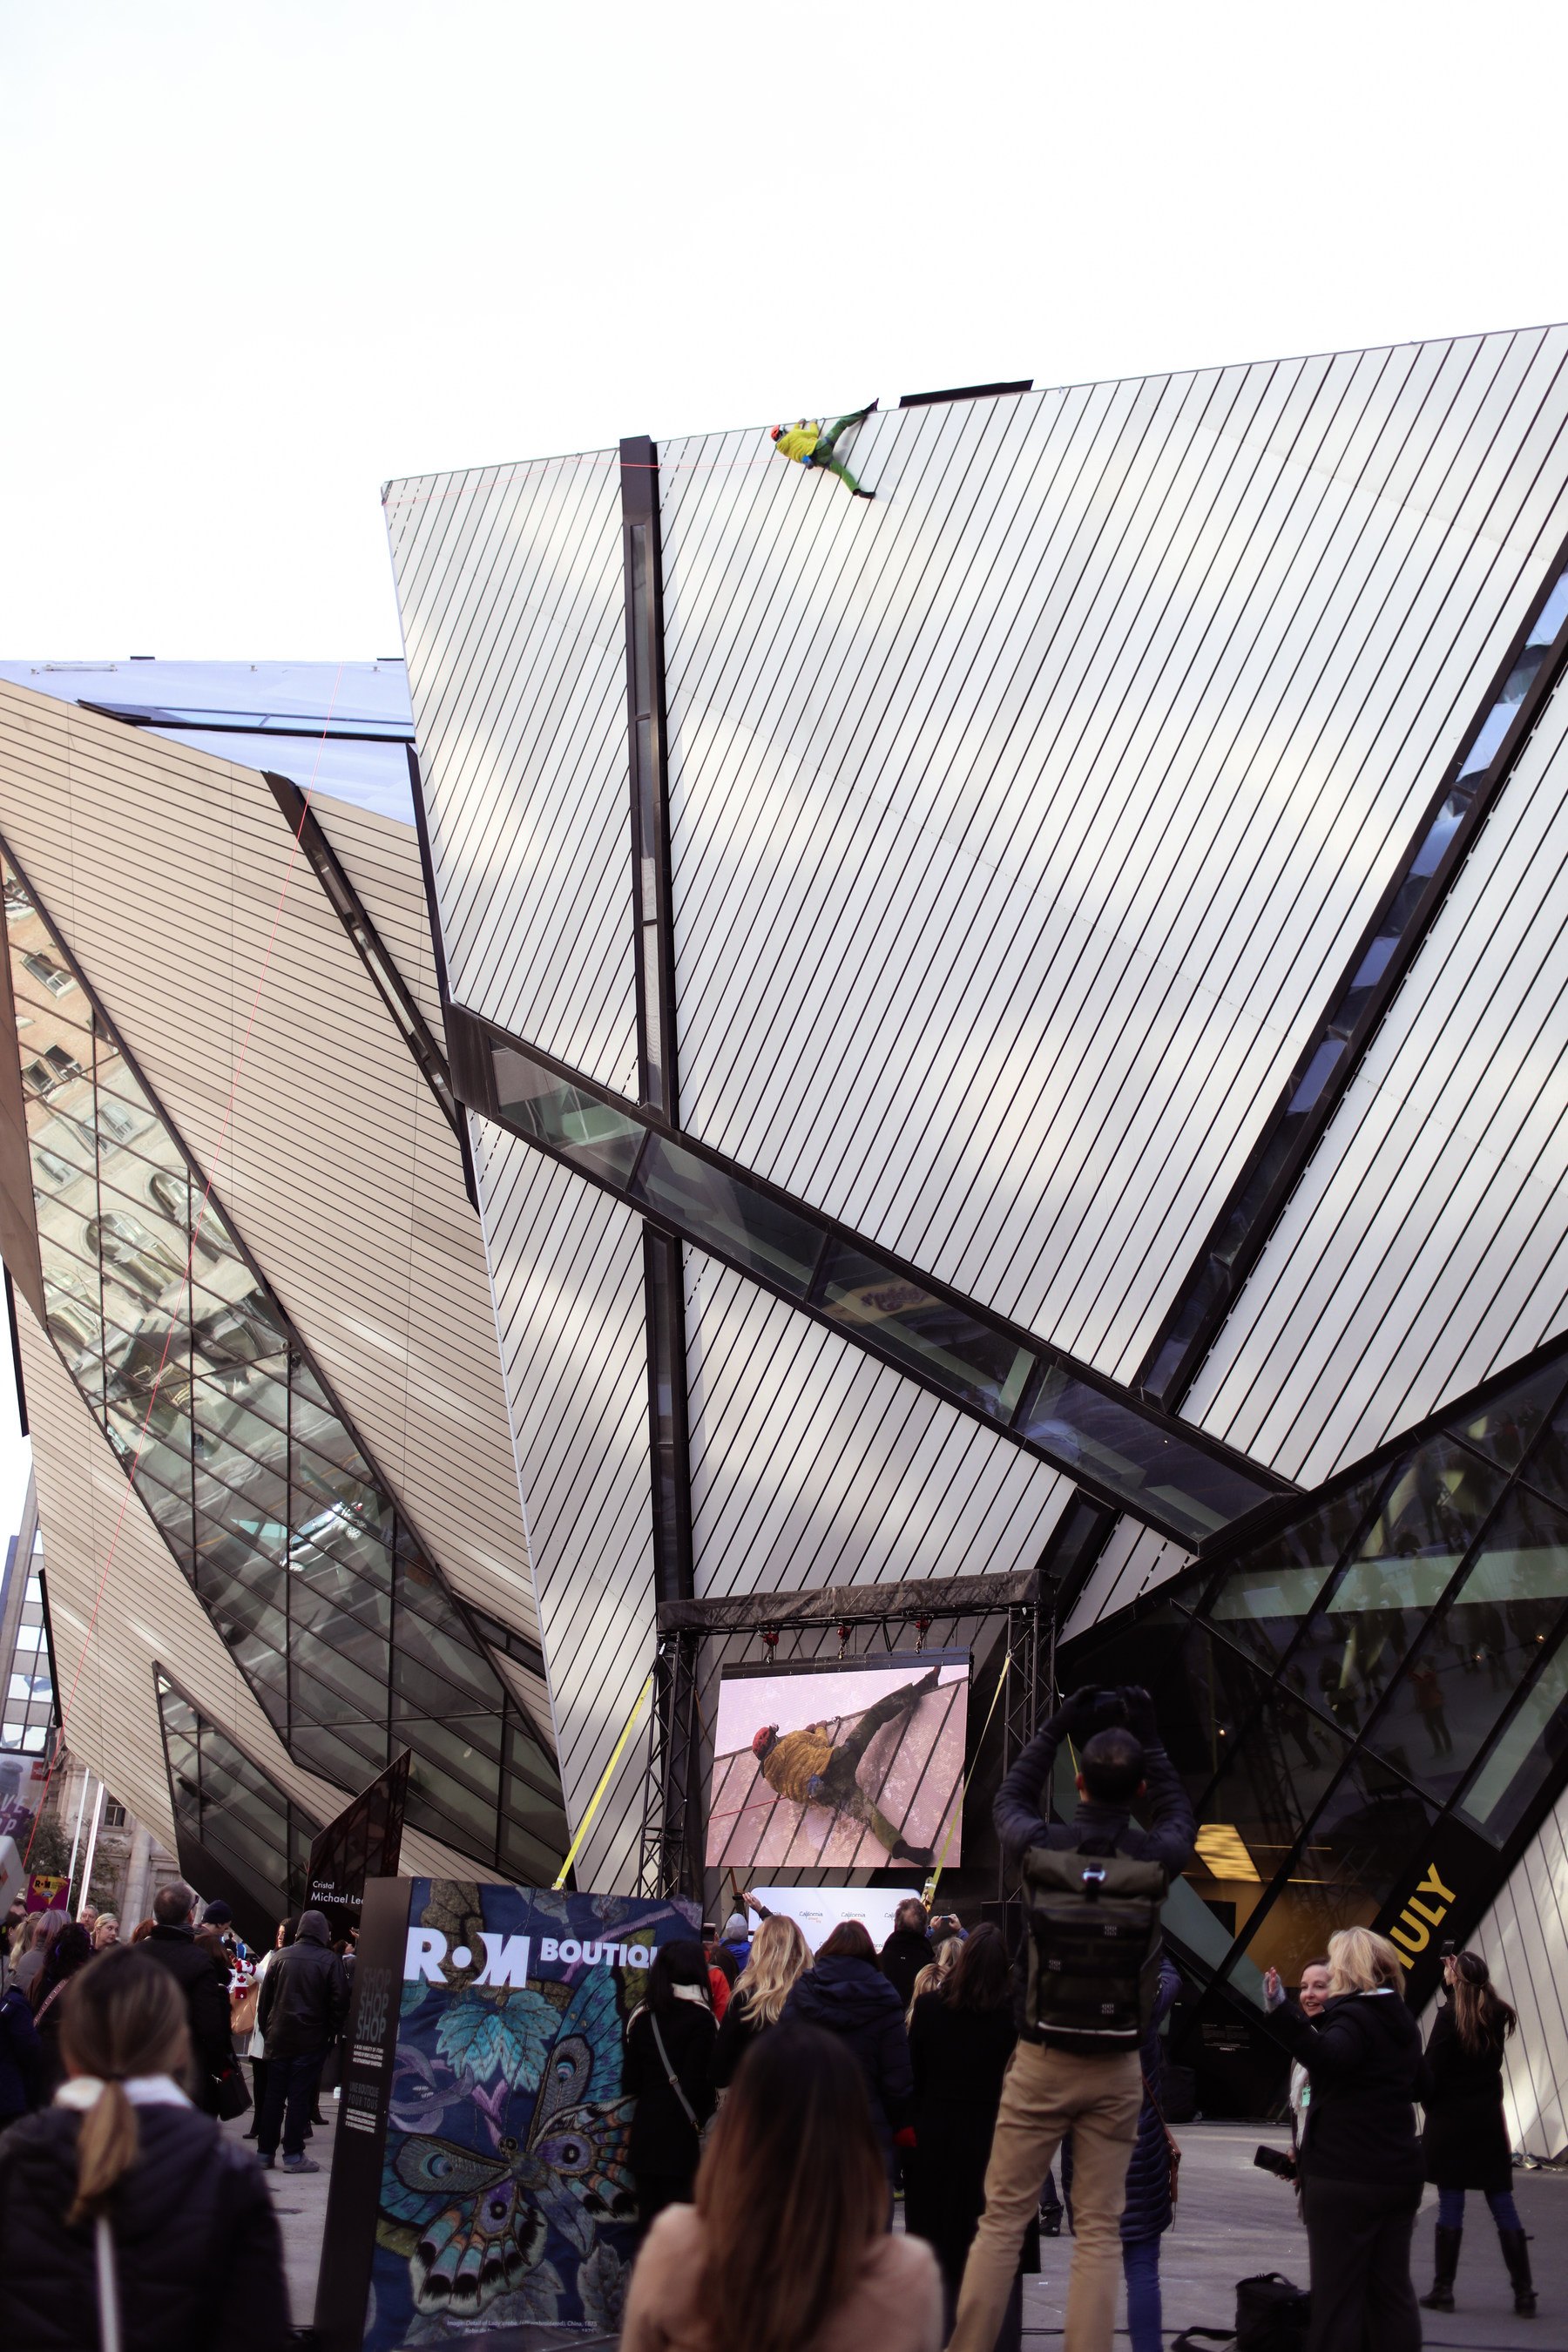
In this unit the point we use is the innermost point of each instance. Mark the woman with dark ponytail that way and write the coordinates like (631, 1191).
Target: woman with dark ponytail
(126, 2220)
(1465, 2143)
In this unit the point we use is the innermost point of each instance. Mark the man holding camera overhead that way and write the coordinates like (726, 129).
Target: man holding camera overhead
(1093, 1890)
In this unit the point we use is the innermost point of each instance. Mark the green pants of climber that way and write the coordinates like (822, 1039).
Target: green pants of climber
(822, 455)
(838, 1787)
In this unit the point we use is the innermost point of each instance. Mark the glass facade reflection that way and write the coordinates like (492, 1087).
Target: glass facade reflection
(247, 1831)
(339, 1622)
(1370, 1707)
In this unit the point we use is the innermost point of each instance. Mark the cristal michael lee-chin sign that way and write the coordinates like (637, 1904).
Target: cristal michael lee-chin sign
(479, 2180)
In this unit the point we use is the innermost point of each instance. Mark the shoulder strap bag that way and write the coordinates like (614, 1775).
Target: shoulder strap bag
(674, 2080)
(1172, 2153)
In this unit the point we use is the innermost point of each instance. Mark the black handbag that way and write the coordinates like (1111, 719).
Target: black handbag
(231, 2095)
(1271, 2314)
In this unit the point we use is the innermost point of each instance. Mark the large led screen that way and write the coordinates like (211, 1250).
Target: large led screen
(852, 1767)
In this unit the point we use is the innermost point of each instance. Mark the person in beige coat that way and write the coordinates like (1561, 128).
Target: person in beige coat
(786, 2247)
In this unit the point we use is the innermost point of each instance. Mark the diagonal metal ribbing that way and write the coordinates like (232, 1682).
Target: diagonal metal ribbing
(1377, 968)
(659, 1084)
(1121, 1450)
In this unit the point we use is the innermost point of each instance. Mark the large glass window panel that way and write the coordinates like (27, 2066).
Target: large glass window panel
(1507, 1426)
(1529, 1753)
(442, 1677)
(448, 1807)
(1267, 1792)
(1432, 1512)
(585, 1131)
(235, 1323)
(1263, 1605)
(732, 1217)
(247, 1407)
(1358, 1851)
(1504, 1614)
(451, 1749)
(928, 1333)
(1148, 1469)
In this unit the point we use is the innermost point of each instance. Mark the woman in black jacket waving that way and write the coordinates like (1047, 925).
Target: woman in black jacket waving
(1360, 2159)
(846, 1992)
(667, 2069)
(1465, 2143)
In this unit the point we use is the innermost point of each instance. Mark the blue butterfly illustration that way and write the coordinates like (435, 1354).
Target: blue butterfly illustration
(483, 2219)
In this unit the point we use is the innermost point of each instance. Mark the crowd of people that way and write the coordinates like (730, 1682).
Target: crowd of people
(783, 2100)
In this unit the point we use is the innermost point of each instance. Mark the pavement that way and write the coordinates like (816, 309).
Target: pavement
(1232, 2222)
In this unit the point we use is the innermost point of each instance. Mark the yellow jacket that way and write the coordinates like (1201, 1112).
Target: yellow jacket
(798, 443)
(792, 1762)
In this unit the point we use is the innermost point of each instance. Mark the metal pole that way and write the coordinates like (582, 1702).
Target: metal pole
(76, 1841)
(91, 1850)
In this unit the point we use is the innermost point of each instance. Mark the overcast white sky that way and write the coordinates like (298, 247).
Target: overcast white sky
(259, 259)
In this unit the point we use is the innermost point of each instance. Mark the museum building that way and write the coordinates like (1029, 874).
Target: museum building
(978, 1068)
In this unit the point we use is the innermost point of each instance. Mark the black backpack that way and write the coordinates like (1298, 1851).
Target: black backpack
(1094, 1945)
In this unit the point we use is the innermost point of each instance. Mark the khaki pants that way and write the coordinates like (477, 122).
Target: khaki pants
(1045, 2094)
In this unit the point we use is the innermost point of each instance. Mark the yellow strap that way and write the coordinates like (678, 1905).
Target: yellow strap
(604, 1779)
(962, 1790)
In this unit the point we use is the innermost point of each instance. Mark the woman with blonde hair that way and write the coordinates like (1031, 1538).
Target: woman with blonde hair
(126, 2217)
(780, 1953)
(1465, 2143)
(935, 1975)
(1359, 2161)
(107, 1932)
(787, 2246)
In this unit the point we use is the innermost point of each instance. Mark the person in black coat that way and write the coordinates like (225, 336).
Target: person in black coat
(1465, 2143)
(847, 1993)
(961, 2040)
(185, 2215)
(69, 1953)
(1359, 2161)
(173, 1943)
(908, 1949)
(301, 2009)
(21, 2057)
(667, 2069)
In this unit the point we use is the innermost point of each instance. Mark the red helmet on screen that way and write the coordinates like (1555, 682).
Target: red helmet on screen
(764, 1740)
(774, 434)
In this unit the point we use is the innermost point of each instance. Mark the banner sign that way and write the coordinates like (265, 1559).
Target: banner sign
(818, 1910)
(364, 1843)
(479, 2182)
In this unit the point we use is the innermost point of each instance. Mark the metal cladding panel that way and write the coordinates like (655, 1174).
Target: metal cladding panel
(1426, 1245)
(164, 868)
(1021, 816)
(1524, 1942)
(814, 1464)
(1134, 1561)
(566, 1264)
(510, 584)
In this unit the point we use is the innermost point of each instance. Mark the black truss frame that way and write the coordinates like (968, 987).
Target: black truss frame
(472, 1042)
(670, 1851)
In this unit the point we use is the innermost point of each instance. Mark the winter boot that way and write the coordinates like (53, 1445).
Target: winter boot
(1442, 2295)
(1515, 2253)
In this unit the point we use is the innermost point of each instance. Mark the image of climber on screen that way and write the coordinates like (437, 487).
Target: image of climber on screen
(808, 445)
(859, 1768)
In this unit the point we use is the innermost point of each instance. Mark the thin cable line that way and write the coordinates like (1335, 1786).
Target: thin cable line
(215, 1157)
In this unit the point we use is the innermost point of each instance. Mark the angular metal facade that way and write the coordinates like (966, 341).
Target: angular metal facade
(1036, 831)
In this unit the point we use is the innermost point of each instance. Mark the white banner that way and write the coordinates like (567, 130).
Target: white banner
(818, 1910)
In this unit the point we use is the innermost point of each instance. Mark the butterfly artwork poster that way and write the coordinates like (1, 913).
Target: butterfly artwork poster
(505, 2200)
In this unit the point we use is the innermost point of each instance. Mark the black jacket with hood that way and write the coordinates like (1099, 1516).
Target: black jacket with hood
(206, 2002)
(1362, 2055)
(1019, 1813)
(196, 2239)
(854, 1999)
(304, 1994)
